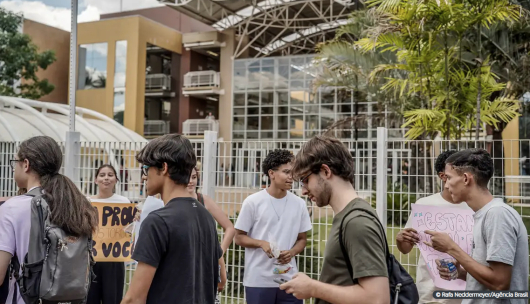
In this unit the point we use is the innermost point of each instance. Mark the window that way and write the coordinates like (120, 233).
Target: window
(119, 80)
(92, 66)
(120, 64)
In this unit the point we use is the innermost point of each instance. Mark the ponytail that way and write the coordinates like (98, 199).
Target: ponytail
(69, 208)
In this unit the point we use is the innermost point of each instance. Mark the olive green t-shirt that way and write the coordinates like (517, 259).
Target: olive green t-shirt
(364, 241)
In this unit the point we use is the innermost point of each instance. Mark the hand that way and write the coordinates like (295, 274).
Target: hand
(444, 272)
(222, 284)
(408, 235)
(285, 257)
(440, 241)
(266, 246)
(300, 286)
(137, 216)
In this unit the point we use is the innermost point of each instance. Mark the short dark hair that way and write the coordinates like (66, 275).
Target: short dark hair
(275, 159)
(176, 151)
(439, 164)
(478, 162)
(324, 150)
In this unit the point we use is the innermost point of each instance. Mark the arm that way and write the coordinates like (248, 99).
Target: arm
(5, 259)
(222, 284)
(368, 291)
(223, 220)
(140, 284)
(495, 277)
(243, 240)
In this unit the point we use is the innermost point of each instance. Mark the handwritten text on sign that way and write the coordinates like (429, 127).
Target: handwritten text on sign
(111, 243)
(457, 222)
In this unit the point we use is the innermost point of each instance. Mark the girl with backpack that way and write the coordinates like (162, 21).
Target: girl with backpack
(110, 276)
(36, 168)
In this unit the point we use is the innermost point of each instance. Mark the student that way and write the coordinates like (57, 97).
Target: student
(220, 217)
(278, 213)
(408, 237)
(499, 260)
(37, 165)
(110, 276)
(178, 249)
(324, 168)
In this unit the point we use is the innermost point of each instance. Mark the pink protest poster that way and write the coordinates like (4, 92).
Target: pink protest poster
(456, 222)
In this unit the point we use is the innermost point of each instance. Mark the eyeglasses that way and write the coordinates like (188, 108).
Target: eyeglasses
(303, 180)
(12, 163)
(145, 169)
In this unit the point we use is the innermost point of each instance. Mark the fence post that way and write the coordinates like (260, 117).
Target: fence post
(72, 151)
(381, 177)
(209, 163)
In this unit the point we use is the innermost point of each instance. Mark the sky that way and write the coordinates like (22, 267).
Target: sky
(57, 12)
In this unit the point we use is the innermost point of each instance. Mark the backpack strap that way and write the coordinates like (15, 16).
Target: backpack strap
(345, 252)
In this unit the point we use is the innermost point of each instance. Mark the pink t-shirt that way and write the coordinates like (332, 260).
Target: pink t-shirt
(15, 225)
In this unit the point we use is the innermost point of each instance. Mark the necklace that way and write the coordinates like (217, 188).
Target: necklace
(277, 215)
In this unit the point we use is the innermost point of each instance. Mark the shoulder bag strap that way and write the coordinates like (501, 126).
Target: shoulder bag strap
(343, 248)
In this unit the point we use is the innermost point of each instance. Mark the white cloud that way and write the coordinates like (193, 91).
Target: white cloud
(60, 17)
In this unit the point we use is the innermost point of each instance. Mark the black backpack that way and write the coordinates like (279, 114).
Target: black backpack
(402, 287)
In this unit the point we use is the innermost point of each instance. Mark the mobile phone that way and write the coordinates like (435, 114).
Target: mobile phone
(280, 281)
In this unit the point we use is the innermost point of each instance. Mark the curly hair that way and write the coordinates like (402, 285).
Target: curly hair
(275, 159)
(439, 165)
(478, 162)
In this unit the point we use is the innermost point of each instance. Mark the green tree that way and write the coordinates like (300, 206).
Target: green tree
(20, 60)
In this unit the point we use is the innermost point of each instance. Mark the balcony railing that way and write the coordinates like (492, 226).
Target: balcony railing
(158, 82)
(156, 127)
(202, 79)
(198, 126)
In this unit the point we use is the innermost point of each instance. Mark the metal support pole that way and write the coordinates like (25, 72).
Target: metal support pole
(209, 163)
(381, 177)
(72, 143)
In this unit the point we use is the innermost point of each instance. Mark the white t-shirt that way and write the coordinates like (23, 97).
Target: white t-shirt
(115, 198)
(424, 282)
(259, 217)
(151, 204)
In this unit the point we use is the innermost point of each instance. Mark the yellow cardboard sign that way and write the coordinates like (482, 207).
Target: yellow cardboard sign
(110, 242)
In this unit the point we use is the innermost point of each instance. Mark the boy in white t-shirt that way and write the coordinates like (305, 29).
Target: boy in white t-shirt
(273, 215)
(407, 238)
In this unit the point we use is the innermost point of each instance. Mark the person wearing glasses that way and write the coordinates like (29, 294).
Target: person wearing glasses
(325, 169)
(178, 249)
(110, 276)
(272, 216)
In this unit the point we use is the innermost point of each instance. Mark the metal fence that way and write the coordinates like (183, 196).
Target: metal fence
(391, 174)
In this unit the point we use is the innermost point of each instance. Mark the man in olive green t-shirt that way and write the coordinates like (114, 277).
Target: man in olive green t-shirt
(324, 168)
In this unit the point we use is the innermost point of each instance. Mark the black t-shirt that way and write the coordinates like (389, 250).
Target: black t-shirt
(181, 241)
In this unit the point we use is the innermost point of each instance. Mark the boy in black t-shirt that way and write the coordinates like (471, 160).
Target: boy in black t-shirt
(178, 249)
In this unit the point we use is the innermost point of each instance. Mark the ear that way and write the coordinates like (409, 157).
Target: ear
(327, 171)
(165, 169)
(467, 178)
(271, 174)
(25, 165)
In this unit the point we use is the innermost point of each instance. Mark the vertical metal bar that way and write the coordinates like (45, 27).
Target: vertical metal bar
(381, 187)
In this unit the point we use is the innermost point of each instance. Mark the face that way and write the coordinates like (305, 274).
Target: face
(193, 181)
(455, 184)
(106, 179)
(20, 171)
(153, 179)
(282, 177)
(316, 188)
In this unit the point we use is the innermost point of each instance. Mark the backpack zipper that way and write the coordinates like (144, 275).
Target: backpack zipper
(398, 289)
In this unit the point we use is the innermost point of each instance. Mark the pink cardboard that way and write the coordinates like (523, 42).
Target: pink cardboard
(456, 222)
